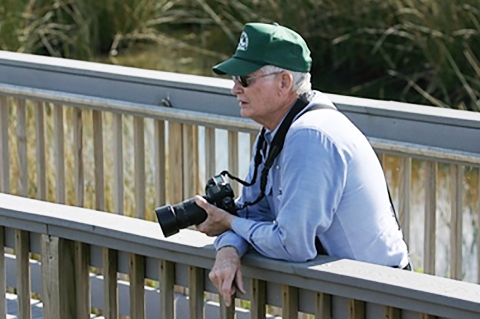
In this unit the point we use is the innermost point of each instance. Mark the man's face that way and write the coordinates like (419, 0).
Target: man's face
(260, 99)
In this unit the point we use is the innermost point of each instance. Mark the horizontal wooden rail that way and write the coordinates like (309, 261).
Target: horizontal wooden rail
(368, 285)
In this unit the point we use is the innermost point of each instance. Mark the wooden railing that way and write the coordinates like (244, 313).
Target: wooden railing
(72, 241)
(104, 147)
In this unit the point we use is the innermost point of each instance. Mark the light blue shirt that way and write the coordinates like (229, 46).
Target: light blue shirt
(326, 182)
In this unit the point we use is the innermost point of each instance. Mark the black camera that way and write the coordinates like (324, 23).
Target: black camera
(187, 213)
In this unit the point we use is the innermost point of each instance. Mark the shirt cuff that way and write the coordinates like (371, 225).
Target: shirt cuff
(229, 238)
(242, 226)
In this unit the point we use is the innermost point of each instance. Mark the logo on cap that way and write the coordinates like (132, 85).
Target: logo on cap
(243, 43)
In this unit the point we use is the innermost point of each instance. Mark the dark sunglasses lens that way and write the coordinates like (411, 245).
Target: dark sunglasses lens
(243, 80)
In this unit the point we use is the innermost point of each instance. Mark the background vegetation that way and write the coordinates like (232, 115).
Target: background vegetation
(419, 51)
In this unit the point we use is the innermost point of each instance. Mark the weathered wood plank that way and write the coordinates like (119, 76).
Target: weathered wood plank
(137, 286)
(67, 284)
(175, 162)
(139, 146)
(404, 197)
(227, 312)
(4, 148)
(166, 285)
(258, 291)
(253, 138)
(3, 281)
(357, 309)
(233, 164)
(160, 162)
(82, 279)
(289, 302)
(59, 154)
(40, 159)
(430, 217)
(23, 273)
(22, 147)
(98, 160)
(478, 223)
(210, 152)
(78, 157)
(190, 161)
(110, 290)
(456, 222)
(393, 313)
(118, 175)
(50, 283)
(195, 292)
(323, 306)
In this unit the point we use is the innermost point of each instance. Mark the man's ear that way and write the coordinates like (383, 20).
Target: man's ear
(286, 81)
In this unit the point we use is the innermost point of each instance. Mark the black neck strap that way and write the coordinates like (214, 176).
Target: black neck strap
(275, 147)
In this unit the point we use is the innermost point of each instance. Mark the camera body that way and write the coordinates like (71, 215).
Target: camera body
(187, 213)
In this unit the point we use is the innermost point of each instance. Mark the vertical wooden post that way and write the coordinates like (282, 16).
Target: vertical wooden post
(59, 154)
(139, 137)
(478, 223)
(393, 313)
(50, 284)
(227, 312)
(4, 151)
(23, 273)
(40, 151)
(66, 279)
(160, 163)
(175, 158)
(289, 302)
(258, 291)
(404, 197)
(118, 182)
(430, 217)
(3, 280)
(456, 221)
(357, 309)
(210, 153)
(82, 279)
(137, 286)
(195, 292)
(78, 157)
(323, 307)
(190, 160)
(110, 290)
(233, 165)
(60, 287)
(166, 283)
(22, 147)
(98, 160)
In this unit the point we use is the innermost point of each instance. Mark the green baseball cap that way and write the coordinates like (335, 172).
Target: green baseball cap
(263, 44)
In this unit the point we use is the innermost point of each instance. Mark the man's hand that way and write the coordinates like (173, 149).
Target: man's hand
(226, 274)
(218, 220)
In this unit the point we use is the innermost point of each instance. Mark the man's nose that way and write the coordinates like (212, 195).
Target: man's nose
(237, 88)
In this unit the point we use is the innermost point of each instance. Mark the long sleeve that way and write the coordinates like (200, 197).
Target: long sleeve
(313, 174)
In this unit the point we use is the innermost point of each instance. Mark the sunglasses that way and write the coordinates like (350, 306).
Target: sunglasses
(246, 80)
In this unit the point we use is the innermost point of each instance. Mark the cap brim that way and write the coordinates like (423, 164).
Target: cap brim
(236, 66)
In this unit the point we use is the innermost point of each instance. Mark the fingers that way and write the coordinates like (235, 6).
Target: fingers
(227, 291)
(201, 202)
(224, 285)
(239, 282)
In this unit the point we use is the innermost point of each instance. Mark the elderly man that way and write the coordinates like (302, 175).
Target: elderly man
(321, 187)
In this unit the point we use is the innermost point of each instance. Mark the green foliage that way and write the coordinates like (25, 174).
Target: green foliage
(421, 51)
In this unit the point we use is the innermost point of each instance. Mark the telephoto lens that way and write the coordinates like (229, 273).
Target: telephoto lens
(188, 213)
(185, 214)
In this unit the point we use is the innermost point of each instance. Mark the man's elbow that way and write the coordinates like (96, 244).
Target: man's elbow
(299, 255)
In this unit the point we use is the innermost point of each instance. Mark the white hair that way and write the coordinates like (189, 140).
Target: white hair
(301, 80)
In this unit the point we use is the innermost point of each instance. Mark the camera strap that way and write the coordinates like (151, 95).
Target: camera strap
(275, 147)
